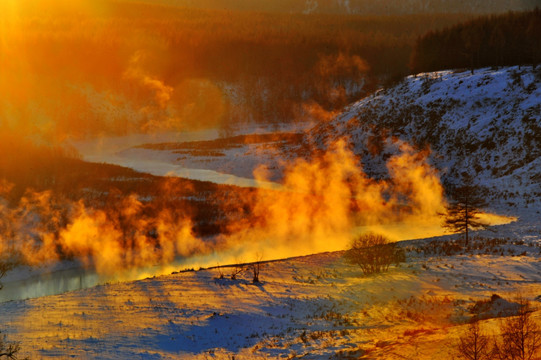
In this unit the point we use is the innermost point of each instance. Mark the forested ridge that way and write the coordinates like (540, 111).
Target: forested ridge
(513, 38)
(126, 66)
(372, 7)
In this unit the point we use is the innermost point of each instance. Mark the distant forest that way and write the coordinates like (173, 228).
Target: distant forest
(366, 7)
(497, 40)
(85, 68)
(133, 66)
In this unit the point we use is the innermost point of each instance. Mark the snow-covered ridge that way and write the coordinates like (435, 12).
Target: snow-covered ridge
(487, 123)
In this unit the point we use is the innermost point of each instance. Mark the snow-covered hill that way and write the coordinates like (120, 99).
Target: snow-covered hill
(487, 124)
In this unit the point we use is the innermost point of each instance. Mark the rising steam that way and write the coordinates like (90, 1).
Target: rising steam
(158, 109)
(319, 207)
(41, 229)
(324, 201)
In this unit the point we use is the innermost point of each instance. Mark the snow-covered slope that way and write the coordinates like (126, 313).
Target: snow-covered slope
(316, 307)
(487, 123)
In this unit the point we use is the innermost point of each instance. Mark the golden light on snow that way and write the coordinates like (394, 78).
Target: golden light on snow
(495, 219)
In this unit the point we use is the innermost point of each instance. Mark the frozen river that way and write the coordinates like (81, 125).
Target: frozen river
(112, 150)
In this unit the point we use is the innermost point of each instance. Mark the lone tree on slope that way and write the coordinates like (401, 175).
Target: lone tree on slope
(464, 208)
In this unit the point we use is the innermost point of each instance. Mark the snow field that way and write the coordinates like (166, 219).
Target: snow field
(316, 306)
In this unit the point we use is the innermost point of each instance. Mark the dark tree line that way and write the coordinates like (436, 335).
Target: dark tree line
(498, 40)
(380, 7)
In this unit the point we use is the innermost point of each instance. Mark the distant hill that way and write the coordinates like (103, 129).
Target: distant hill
(373, 7)
(487, 124)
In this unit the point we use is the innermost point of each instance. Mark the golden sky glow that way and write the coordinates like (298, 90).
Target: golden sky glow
(80, 68)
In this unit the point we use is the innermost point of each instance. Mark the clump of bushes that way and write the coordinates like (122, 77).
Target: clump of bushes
(374, 253)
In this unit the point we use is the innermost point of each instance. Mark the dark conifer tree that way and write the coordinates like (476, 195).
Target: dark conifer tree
(465, 204)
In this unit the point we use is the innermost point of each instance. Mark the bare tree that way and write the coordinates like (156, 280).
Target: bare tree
(464, 208)
(220, 272)
(256, 268)
(520, 335)
(237, 269)
(473, 344)
(8, 350)
(374, 253)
